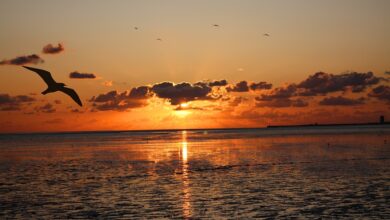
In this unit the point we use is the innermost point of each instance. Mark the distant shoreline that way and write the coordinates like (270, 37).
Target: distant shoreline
(192, 129)
(326, 125)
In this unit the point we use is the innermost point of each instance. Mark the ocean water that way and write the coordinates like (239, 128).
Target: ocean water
(313, 172)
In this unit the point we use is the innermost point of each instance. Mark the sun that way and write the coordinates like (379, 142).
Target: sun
(184, 105)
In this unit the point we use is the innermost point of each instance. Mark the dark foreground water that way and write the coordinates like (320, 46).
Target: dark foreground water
(329, 172)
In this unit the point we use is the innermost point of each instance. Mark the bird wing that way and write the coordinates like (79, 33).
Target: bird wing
(45, 75)
(72, 94)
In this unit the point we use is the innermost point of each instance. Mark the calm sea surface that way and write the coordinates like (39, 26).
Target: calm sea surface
(328, 172)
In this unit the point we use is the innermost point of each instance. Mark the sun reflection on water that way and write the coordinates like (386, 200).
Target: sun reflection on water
(185, 177)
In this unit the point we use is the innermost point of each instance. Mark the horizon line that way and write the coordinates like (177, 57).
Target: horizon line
(192, 129)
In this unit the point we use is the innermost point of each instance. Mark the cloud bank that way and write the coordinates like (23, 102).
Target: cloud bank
(262, 94)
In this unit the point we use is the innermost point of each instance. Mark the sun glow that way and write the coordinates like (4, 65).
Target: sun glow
(184, 105)
(182, 114)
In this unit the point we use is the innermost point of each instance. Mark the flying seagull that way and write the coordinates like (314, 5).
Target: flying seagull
(216, 25)
(159, 39)
(136, 28)
(53, 86)
(266, 35)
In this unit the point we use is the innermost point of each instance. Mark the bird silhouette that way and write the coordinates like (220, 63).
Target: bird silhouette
(159, 39)
(136, 28)
(266, 35)
(53, 86)
(216, 25)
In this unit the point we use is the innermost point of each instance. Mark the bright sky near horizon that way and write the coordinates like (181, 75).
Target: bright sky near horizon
(99, 37)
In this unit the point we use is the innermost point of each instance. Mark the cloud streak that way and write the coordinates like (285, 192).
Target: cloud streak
(50, 49)
(14, 103)
(260, 86)
(78, 75)
(22, 60)
(47, 108)
(341, 101)
(381, 92)
(282, 103)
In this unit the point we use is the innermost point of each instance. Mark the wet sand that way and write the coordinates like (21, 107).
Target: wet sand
(285, 173)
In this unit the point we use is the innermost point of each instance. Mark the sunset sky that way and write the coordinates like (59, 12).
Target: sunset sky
(172, 64)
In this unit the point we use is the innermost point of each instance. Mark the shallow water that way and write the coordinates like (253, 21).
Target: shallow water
(264, 173)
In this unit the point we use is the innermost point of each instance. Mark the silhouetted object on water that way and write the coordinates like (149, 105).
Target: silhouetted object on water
(53, 86)
(382, 119)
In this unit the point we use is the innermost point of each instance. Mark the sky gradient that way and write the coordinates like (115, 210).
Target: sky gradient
(347, 41)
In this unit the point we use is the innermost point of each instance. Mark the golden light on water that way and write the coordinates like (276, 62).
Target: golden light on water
(185, 178)
(184, 152)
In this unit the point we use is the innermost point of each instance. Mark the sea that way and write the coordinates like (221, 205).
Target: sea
(329, 172)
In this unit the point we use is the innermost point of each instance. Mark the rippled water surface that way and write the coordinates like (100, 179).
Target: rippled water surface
(328, 172)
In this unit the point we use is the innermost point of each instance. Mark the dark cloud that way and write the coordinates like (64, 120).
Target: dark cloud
(282, 103)
(183, 92)
(322, 83)
(260, 86)
(381, 92)
(139, 92)
(116, 101)
(22, 60)
(24, 98)
(244, 87)
(14, 103)
(279, 93)
(339, 100)
(110, 96)
(281, 97)
(50, 49)
(218, 83)
(47, 108)
(77, 75)
(239, 87)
